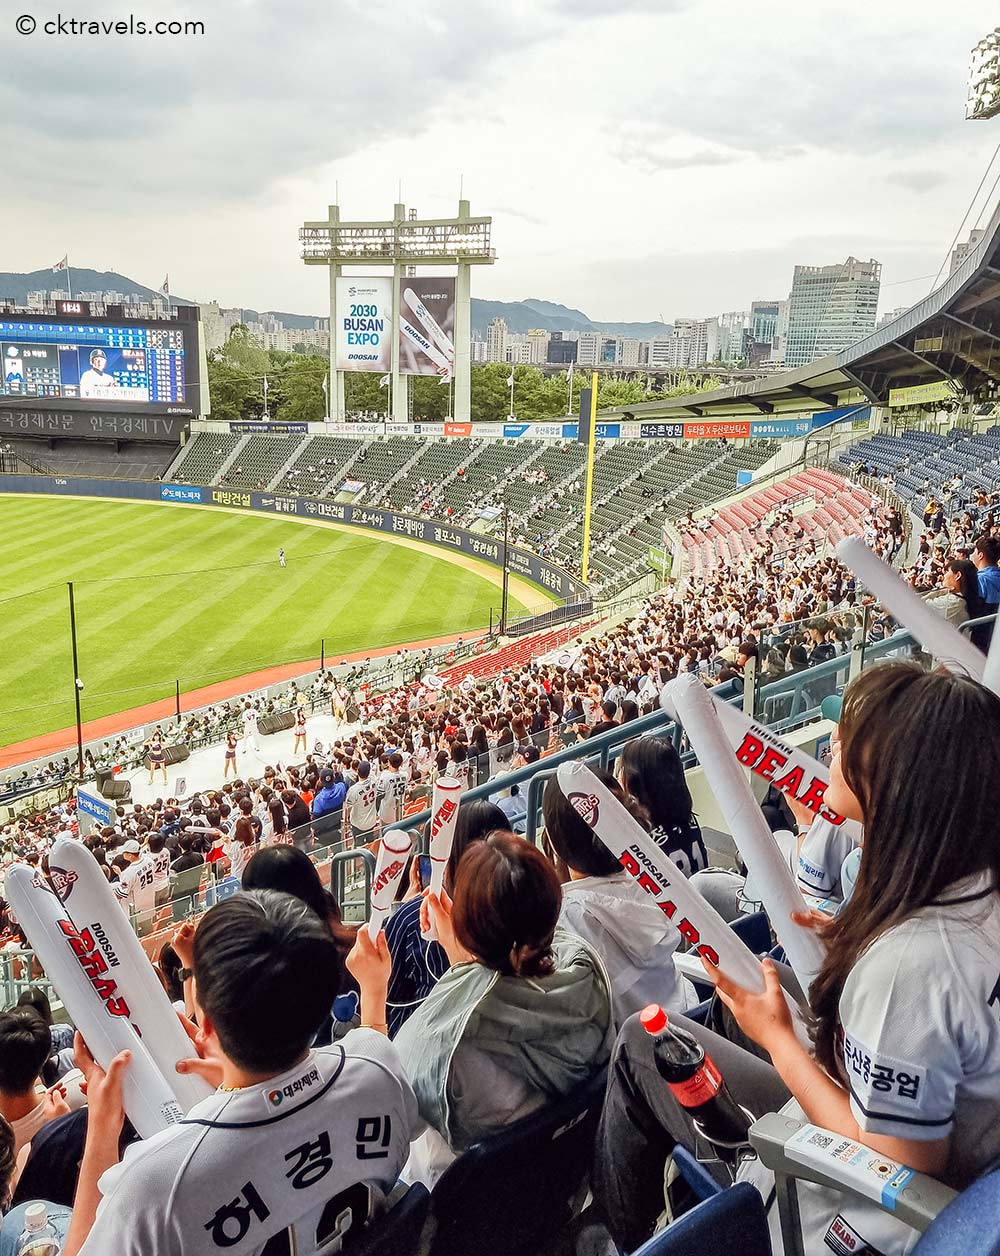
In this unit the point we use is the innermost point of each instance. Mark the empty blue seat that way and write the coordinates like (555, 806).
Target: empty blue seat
(734, 1221)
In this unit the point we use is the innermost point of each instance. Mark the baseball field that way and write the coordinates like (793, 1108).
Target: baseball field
(168, 594)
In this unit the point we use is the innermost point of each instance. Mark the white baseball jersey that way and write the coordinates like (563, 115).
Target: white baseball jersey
(920, 1014)
(136, 888)
(93, 383)
(821, 855)
(299, 1150)
(249, 722)
(161, 869)
(239, 856)
(360, 798)
(393, 785)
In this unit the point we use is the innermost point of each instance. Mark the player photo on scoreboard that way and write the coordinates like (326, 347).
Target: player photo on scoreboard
(107, 374)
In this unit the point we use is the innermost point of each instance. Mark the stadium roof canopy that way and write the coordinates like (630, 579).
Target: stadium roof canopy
(951, 336)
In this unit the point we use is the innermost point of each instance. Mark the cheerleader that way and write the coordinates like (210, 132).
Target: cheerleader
(231, 744)
(300, 730)
(156, 759)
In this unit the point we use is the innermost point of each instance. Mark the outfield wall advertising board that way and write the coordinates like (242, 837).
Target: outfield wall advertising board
(522, 563)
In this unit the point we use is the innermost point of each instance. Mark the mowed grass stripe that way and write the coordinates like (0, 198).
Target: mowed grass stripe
(241, 612)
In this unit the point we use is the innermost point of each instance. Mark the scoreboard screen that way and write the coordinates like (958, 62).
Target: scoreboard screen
(132, 364)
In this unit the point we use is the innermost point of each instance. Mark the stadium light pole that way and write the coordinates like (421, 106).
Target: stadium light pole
(77, 683)
(506, 569)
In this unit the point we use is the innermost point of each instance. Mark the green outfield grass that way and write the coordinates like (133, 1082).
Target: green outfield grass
(197, 595)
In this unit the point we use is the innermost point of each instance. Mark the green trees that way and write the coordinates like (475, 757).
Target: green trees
(295, 388)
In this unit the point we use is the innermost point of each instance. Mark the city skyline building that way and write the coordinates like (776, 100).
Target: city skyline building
(496, 340)
(830, 308)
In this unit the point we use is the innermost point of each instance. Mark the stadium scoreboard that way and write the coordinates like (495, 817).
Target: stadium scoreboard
(100, 361)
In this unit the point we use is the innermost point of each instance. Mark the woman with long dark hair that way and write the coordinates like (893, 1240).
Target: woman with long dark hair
(905, 1036)
(959, 598)
(651, 771)
(634, 939)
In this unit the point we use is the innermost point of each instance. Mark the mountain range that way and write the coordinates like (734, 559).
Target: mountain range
(520, 316)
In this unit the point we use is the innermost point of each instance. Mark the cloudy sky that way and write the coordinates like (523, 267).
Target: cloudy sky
(640, 157)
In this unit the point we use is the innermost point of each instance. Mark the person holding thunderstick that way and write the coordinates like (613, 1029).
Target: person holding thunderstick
(904, 1050)
(293, 1141)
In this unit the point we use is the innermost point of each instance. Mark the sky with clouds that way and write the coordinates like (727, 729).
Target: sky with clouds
(641, 158)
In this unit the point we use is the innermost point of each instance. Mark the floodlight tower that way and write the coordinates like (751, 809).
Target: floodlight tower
(403, 243)
(984, 79)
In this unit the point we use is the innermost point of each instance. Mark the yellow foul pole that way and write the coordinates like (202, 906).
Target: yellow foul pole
(589, 491)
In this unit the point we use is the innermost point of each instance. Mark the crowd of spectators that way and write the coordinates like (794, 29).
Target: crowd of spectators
(519, 984)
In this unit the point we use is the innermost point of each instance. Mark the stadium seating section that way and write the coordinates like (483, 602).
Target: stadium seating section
(921, 461)
(826, 507)
(637, 485)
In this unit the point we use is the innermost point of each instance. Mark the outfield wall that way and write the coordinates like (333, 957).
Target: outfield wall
(458, 540)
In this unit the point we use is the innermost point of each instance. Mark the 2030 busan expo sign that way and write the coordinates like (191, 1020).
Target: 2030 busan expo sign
(364, 323)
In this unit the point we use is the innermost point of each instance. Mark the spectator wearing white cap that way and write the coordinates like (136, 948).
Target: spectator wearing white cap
(136, 884)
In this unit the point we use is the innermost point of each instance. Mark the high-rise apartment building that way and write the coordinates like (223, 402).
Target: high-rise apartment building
(658, 351)
(830, 308)
(627, 352)
(496, 341)
(693, 342)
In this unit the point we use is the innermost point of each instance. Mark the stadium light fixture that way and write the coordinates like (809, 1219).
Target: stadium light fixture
(984, 79)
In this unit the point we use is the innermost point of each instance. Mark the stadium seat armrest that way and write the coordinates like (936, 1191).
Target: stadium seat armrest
(914, 1198)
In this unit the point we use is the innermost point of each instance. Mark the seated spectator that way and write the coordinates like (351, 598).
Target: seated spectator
(602, 905)
(417, 963)
(514, 808)
(905, 989)
(297, 813)
(650, 769)
(986, 556)
(607, 722)
(292, 872)
(192, 847)
(25, 1046)
(288, 1129)
(959, 598)
(62, 1034)
(521, 1018)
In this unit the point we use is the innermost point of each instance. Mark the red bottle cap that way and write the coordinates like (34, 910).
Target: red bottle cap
(653, 1019)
